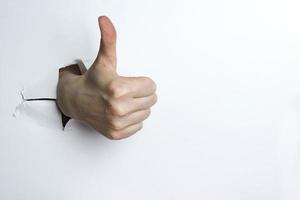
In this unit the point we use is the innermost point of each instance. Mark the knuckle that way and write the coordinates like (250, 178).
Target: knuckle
(116, 124)
(116, 89)
(114, 135)
(116, 109)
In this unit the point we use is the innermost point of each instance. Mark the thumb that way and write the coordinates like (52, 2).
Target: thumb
(107, 49)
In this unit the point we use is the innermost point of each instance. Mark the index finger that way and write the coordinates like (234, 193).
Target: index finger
(135, 87)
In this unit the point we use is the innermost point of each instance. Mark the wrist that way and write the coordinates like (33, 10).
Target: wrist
(67, 90)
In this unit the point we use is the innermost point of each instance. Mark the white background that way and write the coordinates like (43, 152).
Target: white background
(226, 126)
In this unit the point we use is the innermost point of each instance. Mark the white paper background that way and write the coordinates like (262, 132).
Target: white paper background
(226, 126)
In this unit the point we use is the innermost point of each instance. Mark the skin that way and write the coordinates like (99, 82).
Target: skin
(114, 105)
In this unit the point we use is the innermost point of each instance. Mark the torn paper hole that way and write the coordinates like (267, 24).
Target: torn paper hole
(42, 112)
(38, 99)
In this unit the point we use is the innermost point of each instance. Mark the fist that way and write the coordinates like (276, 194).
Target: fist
(114, 105)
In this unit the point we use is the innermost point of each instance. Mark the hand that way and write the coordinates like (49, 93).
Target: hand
(114, 105)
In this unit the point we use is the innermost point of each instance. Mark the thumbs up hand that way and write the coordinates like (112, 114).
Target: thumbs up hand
(114, 105)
